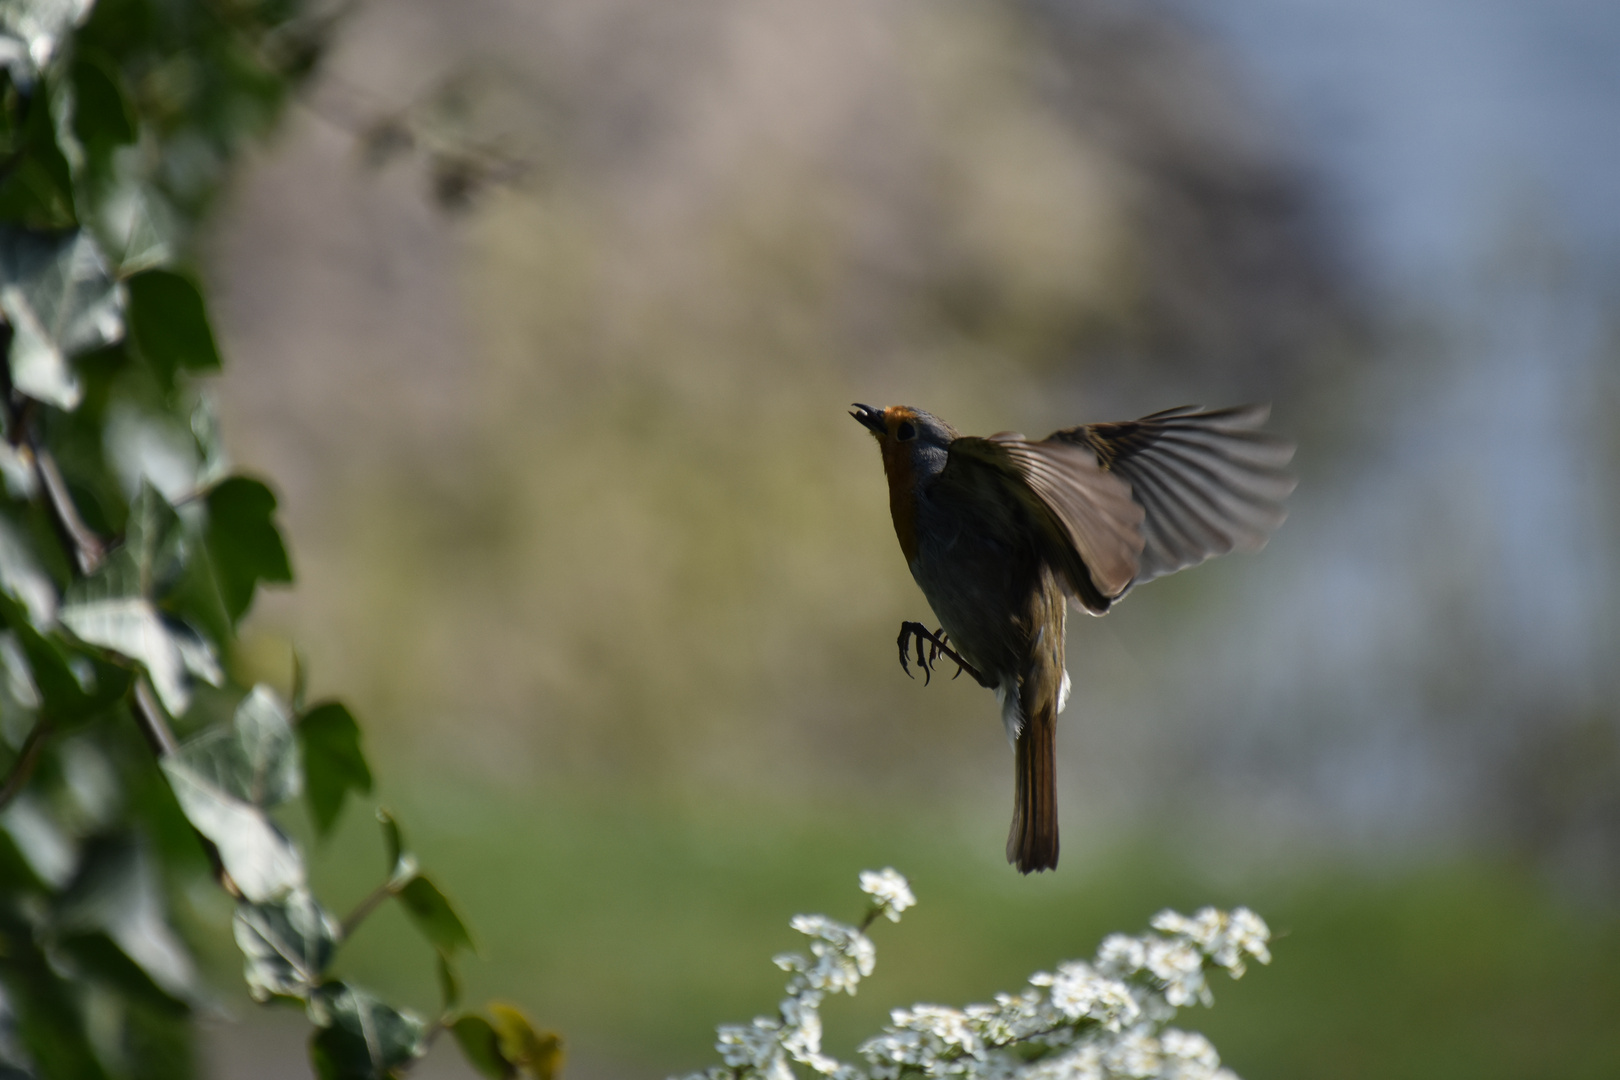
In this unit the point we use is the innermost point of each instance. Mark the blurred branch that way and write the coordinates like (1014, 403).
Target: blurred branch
(364, 908)
(86, 546)
(149, 718)
(23, 767)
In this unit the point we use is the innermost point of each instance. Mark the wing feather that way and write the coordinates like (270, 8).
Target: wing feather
(1208, 481)
(1089, 526)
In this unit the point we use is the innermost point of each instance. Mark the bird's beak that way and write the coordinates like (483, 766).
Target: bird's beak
(872, 418)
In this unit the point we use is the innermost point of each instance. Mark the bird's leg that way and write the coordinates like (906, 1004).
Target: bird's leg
(916, 632)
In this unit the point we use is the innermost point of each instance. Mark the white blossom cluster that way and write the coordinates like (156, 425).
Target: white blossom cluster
(1101, 1019)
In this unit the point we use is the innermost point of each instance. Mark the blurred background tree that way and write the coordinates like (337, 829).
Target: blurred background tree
(581, 523)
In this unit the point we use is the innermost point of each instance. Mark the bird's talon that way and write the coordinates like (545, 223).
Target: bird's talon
(913, 634)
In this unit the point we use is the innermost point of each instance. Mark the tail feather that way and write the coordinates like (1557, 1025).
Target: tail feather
(1033, 842)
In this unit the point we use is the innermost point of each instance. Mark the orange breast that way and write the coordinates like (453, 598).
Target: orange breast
(902, 495)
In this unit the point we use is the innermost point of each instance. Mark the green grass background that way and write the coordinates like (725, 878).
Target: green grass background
(633, 926)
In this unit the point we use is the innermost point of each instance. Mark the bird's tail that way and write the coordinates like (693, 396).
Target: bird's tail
(1033, 842)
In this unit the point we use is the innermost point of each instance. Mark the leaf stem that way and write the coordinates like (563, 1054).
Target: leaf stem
(88, 550)
(364, 908)
(150, 719)
(27, 758)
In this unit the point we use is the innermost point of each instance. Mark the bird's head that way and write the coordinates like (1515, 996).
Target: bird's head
(914, 444)
(902, 427)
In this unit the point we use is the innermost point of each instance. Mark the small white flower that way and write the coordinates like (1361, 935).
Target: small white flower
(1104, 1020)
(843, 955)
(942, 1028)
(753, 1044)
(1249, 933)
(889, 890)
(1181, 967)
(890, 1050)
(1206, 929)
(1189, 1053)
(1135, 1054)
(1078, 992)
(1084, 1062)
(1224, 938)
(801, 1034)
(1121, 956)
(1012, 1018)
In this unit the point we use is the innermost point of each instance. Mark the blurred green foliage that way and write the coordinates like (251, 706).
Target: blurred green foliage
(129, 551)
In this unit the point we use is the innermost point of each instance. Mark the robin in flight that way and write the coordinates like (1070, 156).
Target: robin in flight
(999, 532)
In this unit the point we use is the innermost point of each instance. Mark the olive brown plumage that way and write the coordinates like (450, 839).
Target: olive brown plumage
(1000, 531)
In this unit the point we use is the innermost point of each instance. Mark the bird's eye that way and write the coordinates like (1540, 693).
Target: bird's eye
(906, 431)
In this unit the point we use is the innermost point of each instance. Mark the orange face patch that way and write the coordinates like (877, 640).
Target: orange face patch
(902, 479)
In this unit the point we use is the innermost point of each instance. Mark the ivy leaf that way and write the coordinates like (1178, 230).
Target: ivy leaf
(428, 908)
(449, 981)
(36, 189)
(22, 578)
(19, 693)
(254, 758)
(47, 849)
(30, 33)
(334, 764)
(170, 325)
(401, 863)
(363, 1037)
(244, 541)
(210, 445)
(135, 224)
(260, 859)
(508, 1045)
(72, 687)
(286, 945)
(155, 542)
(133, 628)
(116, 892)
(433, 915)
(225, 777)
(60, 301)
(536, 1053)
(114, 607)
(102, 117)
(481, 1046)
(150, 446)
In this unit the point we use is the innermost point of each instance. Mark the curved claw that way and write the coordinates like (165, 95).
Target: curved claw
(942, 648)
(915, 633)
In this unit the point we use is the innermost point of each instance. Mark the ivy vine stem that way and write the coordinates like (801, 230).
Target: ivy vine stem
(88, 551)
(27, 758)
(364, 908)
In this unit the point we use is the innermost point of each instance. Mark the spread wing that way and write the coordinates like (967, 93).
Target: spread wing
(1209, 481)
(1087, 525)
